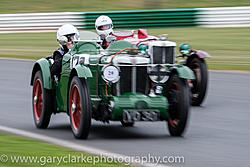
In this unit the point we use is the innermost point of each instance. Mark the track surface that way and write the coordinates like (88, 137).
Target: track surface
(218, 133)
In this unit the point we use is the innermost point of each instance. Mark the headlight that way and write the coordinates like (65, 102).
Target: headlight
(158, 73)
(110, 73)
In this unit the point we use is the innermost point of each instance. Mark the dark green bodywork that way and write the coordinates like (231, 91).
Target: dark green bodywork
(43, 65)
(91, 71)
(139, 101)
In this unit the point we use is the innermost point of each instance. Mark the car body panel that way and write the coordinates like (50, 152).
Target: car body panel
(139, 101)
(184, 72)
(202, 54)
(43, 65)
(87, 59)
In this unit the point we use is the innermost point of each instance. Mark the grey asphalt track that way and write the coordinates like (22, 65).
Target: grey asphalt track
(218, 134)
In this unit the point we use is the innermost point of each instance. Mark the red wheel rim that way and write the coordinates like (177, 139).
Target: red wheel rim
(75, 107)
(38, 99)
(175, 122)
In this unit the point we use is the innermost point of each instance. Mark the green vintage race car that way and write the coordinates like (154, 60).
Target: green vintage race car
(121, 83)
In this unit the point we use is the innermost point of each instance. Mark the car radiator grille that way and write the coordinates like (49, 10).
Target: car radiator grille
(137, 77)
(162, 55)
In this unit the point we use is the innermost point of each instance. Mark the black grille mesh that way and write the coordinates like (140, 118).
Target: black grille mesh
(125, 79)
(167, 52)
(142, 80)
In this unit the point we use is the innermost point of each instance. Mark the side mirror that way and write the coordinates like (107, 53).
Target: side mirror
(110, 38)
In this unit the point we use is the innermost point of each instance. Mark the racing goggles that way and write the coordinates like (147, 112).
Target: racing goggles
(105, 27)
(71, 37)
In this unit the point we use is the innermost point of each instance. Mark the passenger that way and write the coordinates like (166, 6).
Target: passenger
(104, 28)
(66, 34)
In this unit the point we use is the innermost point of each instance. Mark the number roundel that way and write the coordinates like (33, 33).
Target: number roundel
(110, 73)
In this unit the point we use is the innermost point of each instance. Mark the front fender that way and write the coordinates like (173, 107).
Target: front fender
(82, 71)
(183, 72)
(202, 54)
(43, 65)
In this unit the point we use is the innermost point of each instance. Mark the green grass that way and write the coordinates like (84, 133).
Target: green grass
(229, 47)
(27, 45)
(19, 146)
(28, 6)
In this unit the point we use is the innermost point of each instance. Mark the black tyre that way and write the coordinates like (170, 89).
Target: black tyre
(127, 124)
(179, 103)
(199, 85)
(79, 107)
(42, 102)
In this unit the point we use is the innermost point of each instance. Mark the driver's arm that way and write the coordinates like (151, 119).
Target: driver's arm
(56, 67)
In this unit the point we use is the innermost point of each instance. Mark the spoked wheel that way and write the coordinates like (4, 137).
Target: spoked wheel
(41, 102)
(178, 97)
(79, 108)
(199, 88)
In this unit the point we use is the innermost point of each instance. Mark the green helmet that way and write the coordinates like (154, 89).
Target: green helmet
(185, 49)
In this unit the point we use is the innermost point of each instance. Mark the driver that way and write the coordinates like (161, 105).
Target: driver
(104, 27)
(66, 34)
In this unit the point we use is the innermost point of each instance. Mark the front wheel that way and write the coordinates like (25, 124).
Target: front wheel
(178, 97)
(42, 102)
(79, 107)
(199, 85)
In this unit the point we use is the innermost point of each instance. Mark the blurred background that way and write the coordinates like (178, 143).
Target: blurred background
(28, 6)
(228, 45)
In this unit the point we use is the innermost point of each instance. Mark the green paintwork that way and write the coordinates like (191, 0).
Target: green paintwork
(90, 68)
(133, 100)
(83, 71)
(183, 72)
(62, 87)
(92, 81)
(119, 45)
(44, 65)
(86, 48)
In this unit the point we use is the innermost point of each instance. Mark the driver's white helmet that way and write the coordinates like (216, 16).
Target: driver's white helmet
(66, 34)
(104, 25)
